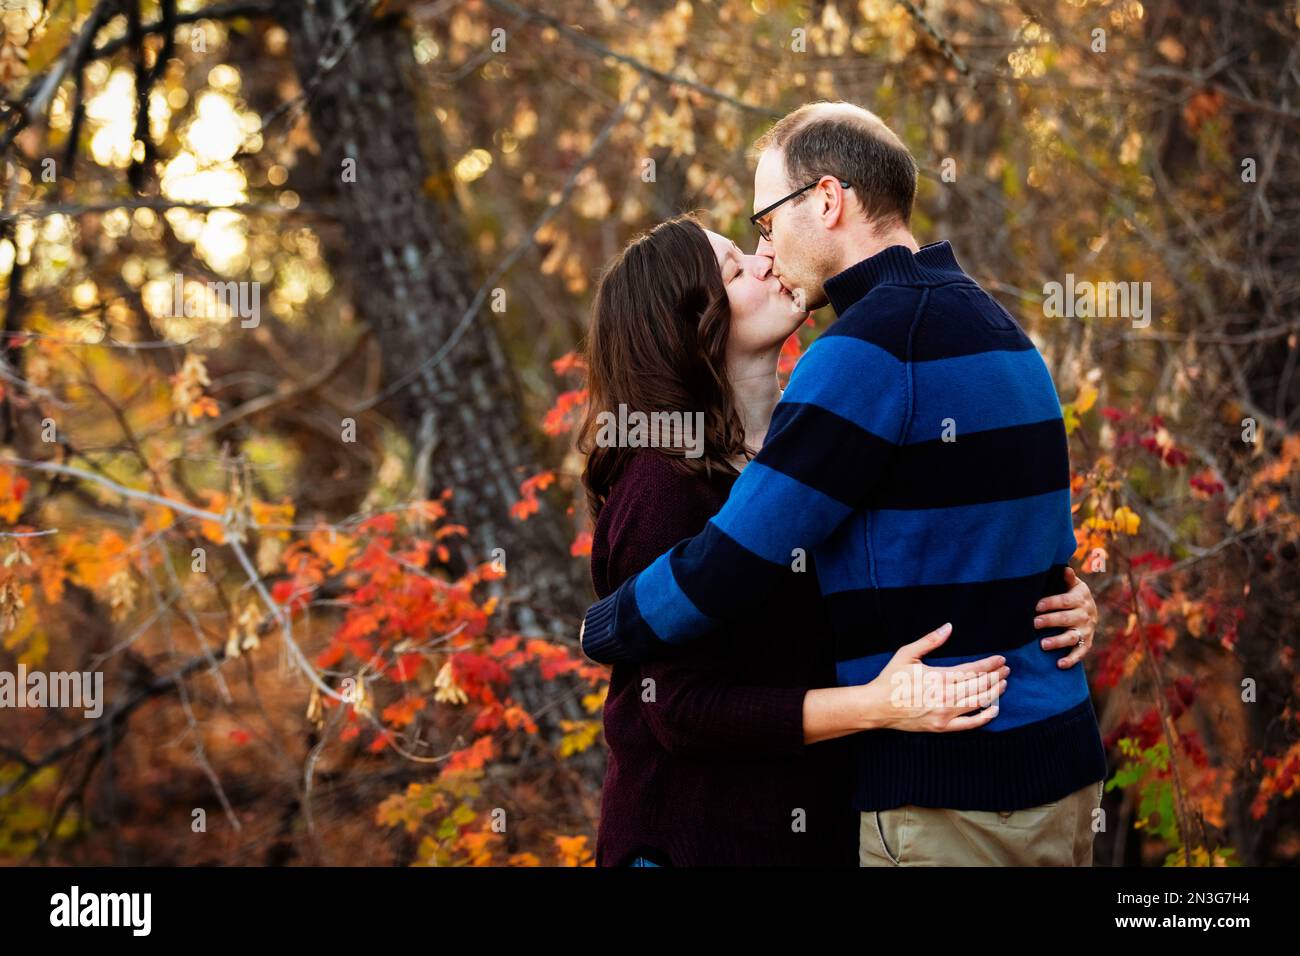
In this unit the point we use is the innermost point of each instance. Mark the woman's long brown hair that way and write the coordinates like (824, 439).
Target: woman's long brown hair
(657, 343)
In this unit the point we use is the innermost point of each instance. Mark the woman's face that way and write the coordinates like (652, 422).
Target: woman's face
(763, 313)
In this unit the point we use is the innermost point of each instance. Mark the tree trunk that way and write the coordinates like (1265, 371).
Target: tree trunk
(406, 253)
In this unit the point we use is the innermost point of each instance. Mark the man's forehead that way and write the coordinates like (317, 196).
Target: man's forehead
(769, 165)
(769, 177)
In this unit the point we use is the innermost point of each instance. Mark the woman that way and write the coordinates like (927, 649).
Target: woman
(743, 763)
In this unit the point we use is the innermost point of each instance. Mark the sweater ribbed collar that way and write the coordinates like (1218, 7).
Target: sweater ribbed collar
(933, 264)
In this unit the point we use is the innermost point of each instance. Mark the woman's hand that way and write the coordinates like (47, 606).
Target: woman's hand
(909, 695)
(1076, 610)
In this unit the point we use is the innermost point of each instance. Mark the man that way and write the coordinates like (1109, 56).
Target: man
(918, 454)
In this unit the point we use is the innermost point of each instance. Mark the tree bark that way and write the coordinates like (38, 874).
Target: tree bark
(406, 254)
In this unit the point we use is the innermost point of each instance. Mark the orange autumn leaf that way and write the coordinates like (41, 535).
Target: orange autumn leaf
(402, 712)
(203, 407)
(92, 564)
(157, 518)
(270, 518)
(214, 531)
(472, 757)
(564, 414)
(13, 488)
(335, 548)
(527, 504)
(523, 509)
(573, 851)
(515, 717)
(52, 574)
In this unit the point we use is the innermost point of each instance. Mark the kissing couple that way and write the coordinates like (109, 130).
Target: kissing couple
(846, 631)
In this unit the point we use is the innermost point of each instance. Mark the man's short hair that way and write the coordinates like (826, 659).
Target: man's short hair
(847, 141)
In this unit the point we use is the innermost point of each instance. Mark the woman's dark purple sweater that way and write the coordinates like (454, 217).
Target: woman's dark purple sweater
(707, 764)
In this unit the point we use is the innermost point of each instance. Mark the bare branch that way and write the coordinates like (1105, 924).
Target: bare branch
(581, 39)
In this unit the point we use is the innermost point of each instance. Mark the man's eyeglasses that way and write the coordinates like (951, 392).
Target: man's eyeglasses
(761, 220)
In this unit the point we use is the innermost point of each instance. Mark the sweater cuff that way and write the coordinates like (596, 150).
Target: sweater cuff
(786, 716)
(610, 639)
(598, 638)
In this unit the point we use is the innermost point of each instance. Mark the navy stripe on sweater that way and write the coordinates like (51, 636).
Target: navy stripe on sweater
(992, 465)
(914, 610)
(801, 425)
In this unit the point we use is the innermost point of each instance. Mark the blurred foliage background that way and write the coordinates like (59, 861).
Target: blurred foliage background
(291, 292)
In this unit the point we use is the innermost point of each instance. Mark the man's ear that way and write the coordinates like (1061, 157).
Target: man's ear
(832, 201)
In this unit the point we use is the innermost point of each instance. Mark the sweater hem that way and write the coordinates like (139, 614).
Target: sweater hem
(981, 770)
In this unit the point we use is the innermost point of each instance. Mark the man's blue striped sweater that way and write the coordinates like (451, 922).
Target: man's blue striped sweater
(919, 456)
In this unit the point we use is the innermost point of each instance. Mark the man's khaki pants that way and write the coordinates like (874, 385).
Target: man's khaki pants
(1054, 834)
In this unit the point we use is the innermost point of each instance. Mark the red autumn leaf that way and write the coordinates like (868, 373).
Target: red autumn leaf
(566, 411)
(581, 546)
(405, 667)
(569, 362)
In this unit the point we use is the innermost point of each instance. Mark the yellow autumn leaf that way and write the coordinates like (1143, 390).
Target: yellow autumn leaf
(266, 514)
(1126, 521)
(1097, 523)
(1086, 398)
(1071, 418)
(579, 735)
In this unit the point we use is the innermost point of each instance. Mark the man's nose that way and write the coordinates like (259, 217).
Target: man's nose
(765, 248)
(760, 266)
